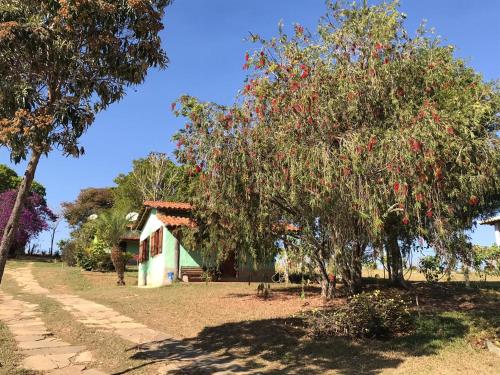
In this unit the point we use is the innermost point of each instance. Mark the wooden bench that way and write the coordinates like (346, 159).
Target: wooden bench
(193, 273)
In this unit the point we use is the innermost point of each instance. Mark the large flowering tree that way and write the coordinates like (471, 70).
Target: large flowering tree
(63, 61)
(35, 218)
(361, 135)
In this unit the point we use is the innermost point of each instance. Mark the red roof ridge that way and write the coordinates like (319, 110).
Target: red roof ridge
(169, 205)
(176, 221)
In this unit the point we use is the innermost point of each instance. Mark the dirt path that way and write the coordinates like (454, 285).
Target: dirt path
(42, 350)
(154, 345)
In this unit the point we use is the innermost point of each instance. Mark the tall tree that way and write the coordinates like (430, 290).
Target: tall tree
(62, 62)
(89, 201)
(155, 178)
(360, 134)
(110, 226)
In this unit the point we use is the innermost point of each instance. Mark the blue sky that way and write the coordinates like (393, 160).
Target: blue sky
(205, 43)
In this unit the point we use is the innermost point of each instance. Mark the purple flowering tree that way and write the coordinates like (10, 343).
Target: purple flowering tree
(35, 218)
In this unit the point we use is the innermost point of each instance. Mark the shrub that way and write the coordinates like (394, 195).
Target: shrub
(432, 268)
(296, 277)
(368, 315)
(95, 258)
(68, 252)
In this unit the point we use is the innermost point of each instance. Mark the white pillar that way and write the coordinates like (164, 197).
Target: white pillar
(497, 233)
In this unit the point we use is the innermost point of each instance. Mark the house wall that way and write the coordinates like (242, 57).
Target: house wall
(133, 247)
(154, 272)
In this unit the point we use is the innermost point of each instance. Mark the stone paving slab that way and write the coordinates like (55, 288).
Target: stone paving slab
(42, 351)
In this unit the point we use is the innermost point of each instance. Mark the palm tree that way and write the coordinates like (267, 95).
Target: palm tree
(111, 226)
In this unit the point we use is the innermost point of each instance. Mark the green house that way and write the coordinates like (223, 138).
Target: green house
(162, 257)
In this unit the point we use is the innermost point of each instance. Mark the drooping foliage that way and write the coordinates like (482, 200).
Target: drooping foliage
(35, 218)
(362, 135)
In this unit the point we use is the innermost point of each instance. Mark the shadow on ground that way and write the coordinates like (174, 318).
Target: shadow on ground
(275, 346)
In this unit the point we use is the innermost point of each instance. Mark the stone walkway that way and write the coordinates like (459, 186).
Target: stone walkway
(90, 313)
(42, 350)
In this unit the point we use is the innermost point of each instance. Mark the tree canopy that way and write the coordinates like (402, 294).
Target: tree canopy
(360, 134)
(35, 218)
(63, 61)
(155, 178)
(89, 201)
(10, 180)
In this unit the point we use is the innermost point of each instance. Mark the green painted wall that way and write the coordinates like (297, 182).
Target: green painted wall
(133, 247)
(154, 272)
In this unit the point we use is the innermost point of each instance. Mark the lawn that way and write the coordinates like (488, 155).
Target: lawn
(267, 336)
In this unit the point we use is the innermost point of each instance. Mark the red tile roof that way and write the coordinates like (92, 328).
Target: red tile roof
(169, 205)
(176, 221)
(292, 228)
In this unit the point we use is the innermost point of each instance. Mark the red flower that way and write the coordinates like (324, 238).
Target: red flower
(406, 220)
(198, 169)
(305, 71)
(396, 187)
(419, 197)
(299, 29)
(415, 145)
(372, 142)
(450, 130)
(428, 213)
(247, 56)
(473, 200)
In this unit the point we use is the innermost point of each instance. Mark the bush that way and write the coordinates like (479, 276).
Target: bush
(95, 258)
(296, 277)
(366, 315)
(68, 252)
(432, 268)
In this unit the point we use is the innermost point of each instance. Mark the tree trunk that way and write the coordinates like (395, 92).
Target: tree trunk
(327, 288)
(22, 194)
(286, 276)
(396, 262)
(466, 275)
(350, 266)
(119, 263)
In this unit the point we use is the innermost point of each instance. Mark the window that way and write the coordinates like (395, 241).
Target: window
(156, 239)
(144, 250)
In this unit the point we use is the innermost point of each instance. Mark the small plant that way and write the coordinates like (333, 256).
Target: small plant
(206, 276)
(264, 290)
(432, 267)
(366, 315)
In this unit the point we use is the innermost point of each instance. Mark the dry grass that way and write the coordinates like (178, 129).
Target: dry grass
(264, 336)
